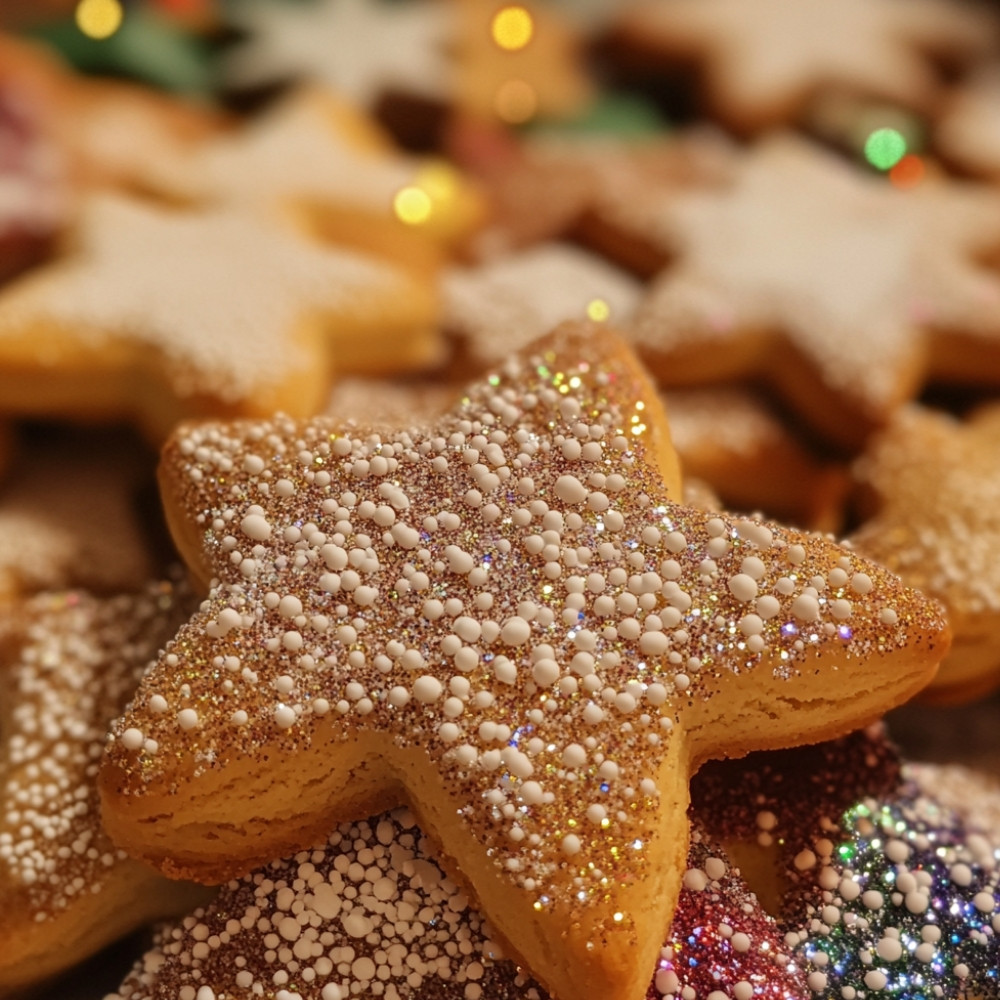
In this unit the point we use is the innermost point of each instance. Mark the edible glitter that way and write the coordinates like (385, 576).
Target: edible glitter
(932, 928)
(528, 470)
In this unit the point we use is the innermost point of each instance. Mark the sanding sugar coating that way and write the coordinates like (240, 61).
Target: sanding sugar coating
(369, 912)
(513, 599)
(70, 662)
(79, 658)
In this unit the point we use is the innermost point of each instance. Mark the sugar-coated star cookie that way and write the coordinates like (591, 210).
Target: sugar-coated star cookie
(502, 304)
(733, 439)
(70, 661)
(358, 49)
(930, 485)
(508, 622)
(321, 155)
(70, 515)
(159, 313)
(98, 132)
(840, 290)
(763, 60)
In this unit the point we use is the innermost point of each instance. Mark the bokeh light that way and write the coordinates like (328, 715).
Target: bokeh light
(908, 172)
(412, 205)
(512, 28)
(99, 18)
(884, 148)
(598, 310)
(516, 102)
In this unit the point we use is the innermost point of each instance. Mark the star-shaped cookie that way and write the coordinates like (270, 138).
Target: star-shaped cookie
(545, 186)
(930, 486)
(159, 314)
(763, 60)
(506, 621)
(70, 662)
(838, 289)
(355, 48)
(318, 153)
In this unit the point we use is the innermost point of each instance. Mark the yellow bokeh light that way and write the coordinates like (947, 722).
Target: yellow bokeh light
(598, 310)
(512, 28)
(516, 102)
(99, 18)
(412, 205)
(438, 180)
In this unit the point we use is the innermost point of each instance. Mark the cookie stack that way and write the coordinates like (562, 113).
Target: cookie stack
(422, 449)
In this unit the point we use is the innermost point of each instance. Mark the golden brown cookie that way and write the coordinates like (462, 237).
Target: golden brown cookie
(763, 61)
(507, 622)
(155, 314)
(70, 661)
(518, 62)
(733, 439)
(838, 289)
(316, 153)
(929, 485)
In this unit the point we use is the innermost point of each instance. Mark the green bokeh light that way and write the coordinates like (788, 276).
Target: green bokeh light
(884, 148)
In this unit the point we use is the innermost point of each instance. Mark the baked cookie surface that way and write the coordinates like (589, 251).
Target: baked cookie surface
(117, 326)
(506, 621)
(841, 291)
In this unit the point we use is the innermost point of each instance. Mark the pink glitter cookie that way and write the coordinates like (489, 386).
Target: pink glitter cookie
(34, 172)
(507, 622)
